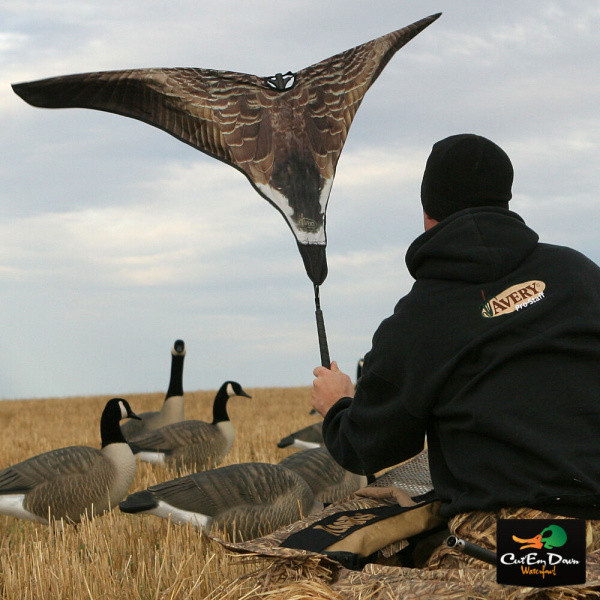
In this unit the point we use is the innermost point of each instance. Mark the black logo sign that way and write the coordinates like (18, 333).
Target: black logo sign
(540, 552)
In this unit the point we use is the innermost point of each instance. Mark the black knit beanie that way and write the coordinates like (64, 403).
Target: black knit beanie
(464, 171)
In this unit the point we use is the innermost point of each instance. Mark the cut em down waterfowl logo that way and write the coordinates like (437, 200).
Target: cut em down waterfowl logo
(513, 299)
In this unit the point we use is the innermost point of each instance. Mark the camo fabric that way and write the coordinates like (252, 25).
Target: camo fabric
(447, 574)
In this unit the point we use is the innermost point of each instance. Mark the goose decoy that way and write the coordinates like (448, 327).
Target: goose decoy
(193, 444)
(249, 499)
(69, 482)
(284, 133)
(307, 437)
(172, 410)
(328, 481)
(246, 500)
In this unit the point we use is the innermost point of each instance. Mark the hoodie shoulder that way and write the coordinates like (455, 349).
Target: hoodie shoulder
(473, 245)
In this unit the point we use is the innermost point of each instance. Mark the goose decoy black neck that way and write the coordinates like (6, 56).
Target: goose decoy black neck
(228, 389)
(176, 379)
(114, 411)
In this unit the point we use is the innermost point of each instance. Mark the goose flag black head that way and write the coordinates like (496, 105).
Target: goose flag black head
(285, 133)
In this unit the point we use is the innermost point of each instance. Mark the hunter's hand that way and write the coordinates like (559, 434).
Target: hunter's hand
(329, 386)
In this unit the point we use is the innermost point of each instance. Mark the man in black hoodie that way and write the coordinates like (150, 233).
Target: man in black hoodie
(494, 355)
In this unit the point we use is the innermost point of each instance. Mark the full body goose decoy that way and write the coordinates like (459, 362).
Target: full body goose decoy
(193, 444)
(307, 437)
(248, 499)
(70, 482)
(172, 410)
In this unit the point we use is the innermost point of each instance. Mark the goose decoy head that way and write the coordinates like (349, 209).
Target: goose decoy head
(233, 388)
(115, 410)
(178, 348)
(119, 409)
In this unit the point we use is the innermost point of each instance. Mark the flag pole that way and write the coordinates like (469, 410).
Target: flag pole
(323, 347)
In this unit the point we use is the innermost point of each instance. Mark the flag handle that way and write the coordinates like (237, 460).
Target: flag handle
(323, 347)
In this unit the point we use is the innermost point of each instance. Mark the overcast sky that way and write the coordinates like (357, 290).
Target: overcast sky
(116, 239)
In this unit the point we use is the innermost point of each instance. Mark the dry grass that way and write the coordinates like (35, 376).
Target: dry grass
(119, 555)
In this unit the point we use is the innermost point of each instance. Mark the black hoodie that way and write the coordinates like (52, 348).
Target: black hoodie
(495, 355)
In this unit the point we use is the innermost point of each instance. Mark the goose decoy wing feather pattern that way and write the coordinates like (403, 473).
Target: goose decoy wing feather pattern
(285, 133)
(185, 444)
(328, 481)
(69, 482)
(56, 464)
(184, 433)
(212, 492)
(248, 499)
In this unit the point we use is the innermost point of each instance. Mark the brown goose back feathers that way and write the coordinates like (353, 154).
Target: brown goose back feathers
(286, 139)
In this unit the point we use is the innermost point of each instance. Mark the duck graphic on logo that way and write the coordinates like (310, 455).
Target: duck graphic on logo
(551, 537)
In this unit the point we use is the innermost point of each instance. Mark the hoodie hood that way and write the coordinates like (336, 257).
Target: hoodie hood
(475, 245)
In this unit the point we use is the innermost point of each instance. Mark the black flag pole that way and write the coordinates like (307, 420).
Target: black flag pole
(323, 347)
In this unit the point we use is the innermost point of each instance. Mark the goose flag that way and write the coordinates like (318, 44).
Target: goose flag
(285, 133)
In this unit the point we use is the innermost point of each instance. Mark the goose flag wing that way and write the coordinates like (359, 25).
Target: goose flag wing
(285, 133)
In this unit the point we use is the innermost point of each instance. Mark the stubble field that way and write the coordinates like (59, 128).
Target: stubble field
(118, 555)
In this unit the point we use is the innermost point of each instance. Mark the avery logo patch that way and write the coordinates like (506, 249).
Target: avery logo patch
(540, 552)
(515, 298)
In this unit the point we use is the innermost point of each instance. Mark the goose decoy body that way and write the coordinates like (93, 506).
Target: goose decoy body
(246, 500)
(284, 133)
(307, 437)
(193, 444)
(69, 482)
(328, 481)
(172, 410)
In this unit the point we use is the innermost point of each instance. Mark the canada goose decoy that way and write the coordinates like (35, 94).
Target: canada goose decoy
(328, 481)
(284, 133)
(193, 444)
(307, 437)
(172, 410)
(70, 482)
(247, 500)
